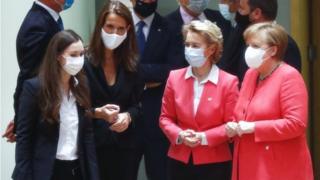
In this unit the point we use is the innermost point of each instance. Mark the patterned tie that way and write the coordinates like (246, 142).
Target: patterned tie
(60, 24)
(141, 37)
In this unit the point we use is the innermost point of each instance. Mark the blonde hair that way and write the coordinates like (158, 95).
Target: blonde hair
(210, 32)
(271, 34)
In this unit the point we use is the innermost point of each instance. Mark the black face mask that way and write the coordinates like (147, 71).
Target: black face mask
(242, 20)
(145, 9)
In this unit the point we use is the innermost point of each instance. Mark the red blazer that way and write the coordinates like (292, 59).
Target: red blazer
(215, 109)
(279, 107)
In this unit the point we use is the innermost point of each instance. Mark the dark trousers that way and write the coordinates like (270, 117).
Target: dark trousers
(179, 171)
(118, 163)
(67, 170)
(155, 159)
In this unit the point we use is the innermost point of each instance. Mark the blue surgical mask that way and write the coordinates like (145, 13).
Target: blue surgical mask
(198, 6)
(225, 12)
(67, 4)
(195, 56)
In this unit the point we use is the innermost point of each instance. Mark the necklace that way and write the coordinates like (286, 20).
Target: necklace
(261, 78)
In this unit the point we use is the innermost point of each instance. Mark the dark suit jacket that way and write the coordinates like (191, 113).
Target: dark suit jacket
(176, 22)
(126, 93)
(37, 140)
(34, 35)
(160, 56)
(233, 60)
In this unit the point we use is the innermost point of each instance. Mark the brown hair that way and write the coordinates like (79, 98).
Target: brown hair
(50, 96)
(271, 34)
(210, 32)
(127, 53)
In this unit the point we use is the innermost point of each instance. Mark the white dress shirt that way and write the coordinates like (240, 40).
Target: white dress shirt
(52, 12)
(148, 21)
(68, 132)
(212, 77)
(187, 18)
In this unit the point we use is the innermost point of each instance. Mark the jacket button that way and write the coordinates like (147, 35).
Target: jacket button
(267, 147)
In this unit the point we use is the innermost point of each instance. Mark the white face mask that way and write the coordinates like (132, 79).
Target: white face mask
(254, 57)
(112, 41)
(225, 12)
(195, 56)
(73, 64)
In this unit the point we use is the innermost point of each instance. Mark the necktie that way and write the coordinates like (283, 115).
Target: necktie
(60, 24)
(141, 37)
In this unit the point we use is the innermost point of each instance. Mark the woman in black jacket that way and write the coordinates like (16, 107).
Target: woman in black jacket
(111, 71)
(54, 134)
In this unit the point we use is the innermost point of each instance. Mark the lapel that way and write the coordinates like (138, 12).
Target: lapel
(188, 97)
(49, 19)
(80, 123)
(206, 102)
(154, 36)
(248, 89)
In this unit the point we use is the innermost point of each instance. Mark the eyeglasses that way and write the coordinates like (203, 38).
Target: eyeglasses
(111, 29)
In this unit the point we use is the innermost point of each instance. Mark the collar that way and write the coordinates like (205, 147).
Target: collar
(52, 12)
(148, 20)
(187, 18)
(213, 75)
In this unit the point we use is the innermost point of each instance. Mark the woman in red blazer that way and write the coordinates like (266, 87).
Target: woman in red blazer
(197, 103)
(271, 112)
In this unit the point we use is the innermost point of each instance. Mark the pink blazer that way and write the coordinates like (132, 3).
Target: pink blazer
(215, 109)
(279, 107)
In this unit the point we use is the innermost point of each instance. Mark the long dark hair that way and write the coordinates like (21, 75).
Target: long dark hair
(126, 54)
(50, 96)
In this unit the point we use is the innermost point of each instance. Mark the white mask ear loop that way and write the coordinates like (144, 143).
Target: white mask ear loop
(76, 82)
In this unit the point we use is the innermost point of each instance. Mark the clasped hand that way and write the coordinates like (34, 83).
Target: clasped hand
(240, 128)
(190, 138)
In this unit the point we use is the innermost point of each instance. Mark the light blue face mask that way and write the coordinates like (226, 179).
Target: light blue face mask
(67, 4)
(225, 12)
(195, 56)
(198, 6)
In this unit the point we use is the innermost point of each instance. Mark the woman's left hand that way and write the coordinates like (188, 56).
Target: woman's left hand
(245, 127)
(122, 123)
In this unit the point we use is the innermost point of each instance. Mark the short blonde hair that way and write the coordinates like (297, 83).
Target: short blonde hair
(210, 32)
(271, 34)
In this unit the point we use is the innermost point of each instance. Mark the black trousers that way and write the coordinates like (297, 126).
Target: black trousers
(179, 171)
(118, 163)
(156, 159)
(67, 170)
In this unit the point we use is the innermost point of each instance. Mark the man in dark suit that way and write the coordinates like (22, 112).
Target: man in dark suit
(157, 51)
(256, 11)
(40, 24)
(195, 10)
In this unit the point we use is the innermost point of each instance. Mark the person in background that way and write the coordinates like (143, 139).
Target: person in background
(197, 103)
(40, 24)
(194, 10)
(157, 52)
(235, 45)
(113, 79)
(271, 114)
(228, 9)
(262, 11)
(54, 135)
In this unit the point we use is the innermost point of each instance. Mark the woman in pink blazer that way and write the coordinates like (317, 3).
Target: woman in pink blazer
(197, 103)
(271, 113)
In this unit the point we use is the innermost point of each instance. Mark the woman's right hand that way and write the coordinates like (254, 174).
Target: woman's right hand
(108, 112)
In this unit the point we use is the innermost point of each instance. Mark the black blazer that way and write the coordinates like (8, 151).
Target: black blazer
(176, 22)
(126, 93)
(37, 140)
(160, 56)
(37, 28)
